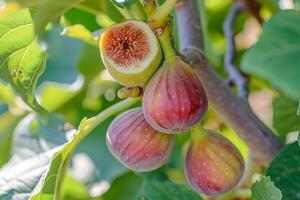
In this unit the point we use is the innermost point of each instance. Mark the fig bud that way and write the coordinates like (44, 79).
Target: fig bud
(213, 165)
(174, 100)
(136, 144)
(130, 52)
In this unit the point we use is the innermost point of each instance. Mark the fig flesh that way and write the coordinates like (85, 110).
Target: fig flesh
(130, 52)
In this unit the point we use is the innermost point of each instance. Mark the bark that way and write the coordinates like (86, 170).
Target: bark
(236, 112)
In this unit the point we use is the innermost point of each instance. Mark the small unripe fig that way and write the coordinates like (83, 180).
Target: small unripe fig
(130, 52)
(174, 100)
(213, 165)
(136, 144)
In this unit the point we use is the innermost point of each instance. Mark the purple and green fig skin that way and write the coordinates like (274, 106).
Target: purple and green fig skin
(136, 144)
(213, 165)
(174, 100)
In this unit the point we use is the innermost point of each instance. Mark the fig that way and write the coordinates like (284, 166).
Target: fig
(136, 144)
(174, 100)
(213, 165)
(130, 52)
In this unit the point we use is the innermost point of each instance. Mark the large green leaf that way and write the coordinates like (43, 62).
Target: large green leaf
(275, 57)
(135, 187)
(264, 189)
(285, 172)
(21, 59)
(285, 119)
(18, 179)
(35, 141)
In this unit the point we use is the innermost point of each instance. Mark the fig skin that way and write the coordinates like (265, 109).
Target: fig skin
(128, 38)
(213, 165)
(174, 100)
(136, 144)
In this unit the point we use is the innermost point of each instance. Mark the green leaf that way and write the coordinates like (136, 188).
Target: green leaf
(135, 187)
(90, 63)
(73, 189)
(126, 187)
(275, 57)
(50, 184)
(168, 191)
(54, 96)
(285, 172)
(35, 142)
(6, 95)
(8, 123)
(285, 119)
(265, 189)
(21, 59)
(50, 10)
(18, 179)
(81, 33)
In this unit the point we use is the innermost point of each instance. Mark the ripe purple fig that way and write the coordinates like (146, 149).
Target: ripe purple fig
(130, 52)
(213, 165)
(174, 100)
(136, 144)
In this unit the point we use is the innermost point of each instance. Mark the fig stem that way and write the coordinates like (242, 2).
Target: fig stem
(166, 45)
(137, 11)
(129, 92)
(149, 5)
(165, 40)
(88, 125)
(125, 12)
(163, 11)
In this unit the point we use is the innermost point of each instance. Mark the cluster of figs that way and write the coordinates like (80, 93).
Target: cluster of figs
(173, 102)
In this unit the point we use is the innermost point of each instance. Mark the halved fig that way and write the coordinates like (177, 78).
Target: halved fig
(213, 165)
(136, 144)
(130, 52)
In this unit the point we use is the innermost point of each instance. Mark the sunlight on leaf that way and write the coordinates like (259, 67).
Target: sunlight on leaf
(21, 59)
(265, 189)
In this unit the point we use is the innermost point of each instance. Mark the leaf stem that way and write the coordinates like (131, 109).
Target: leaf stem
(88, 125)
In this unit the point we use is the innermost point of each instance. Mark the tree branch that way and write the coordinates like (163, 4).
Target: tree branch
(234, 74)
(236, 112)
